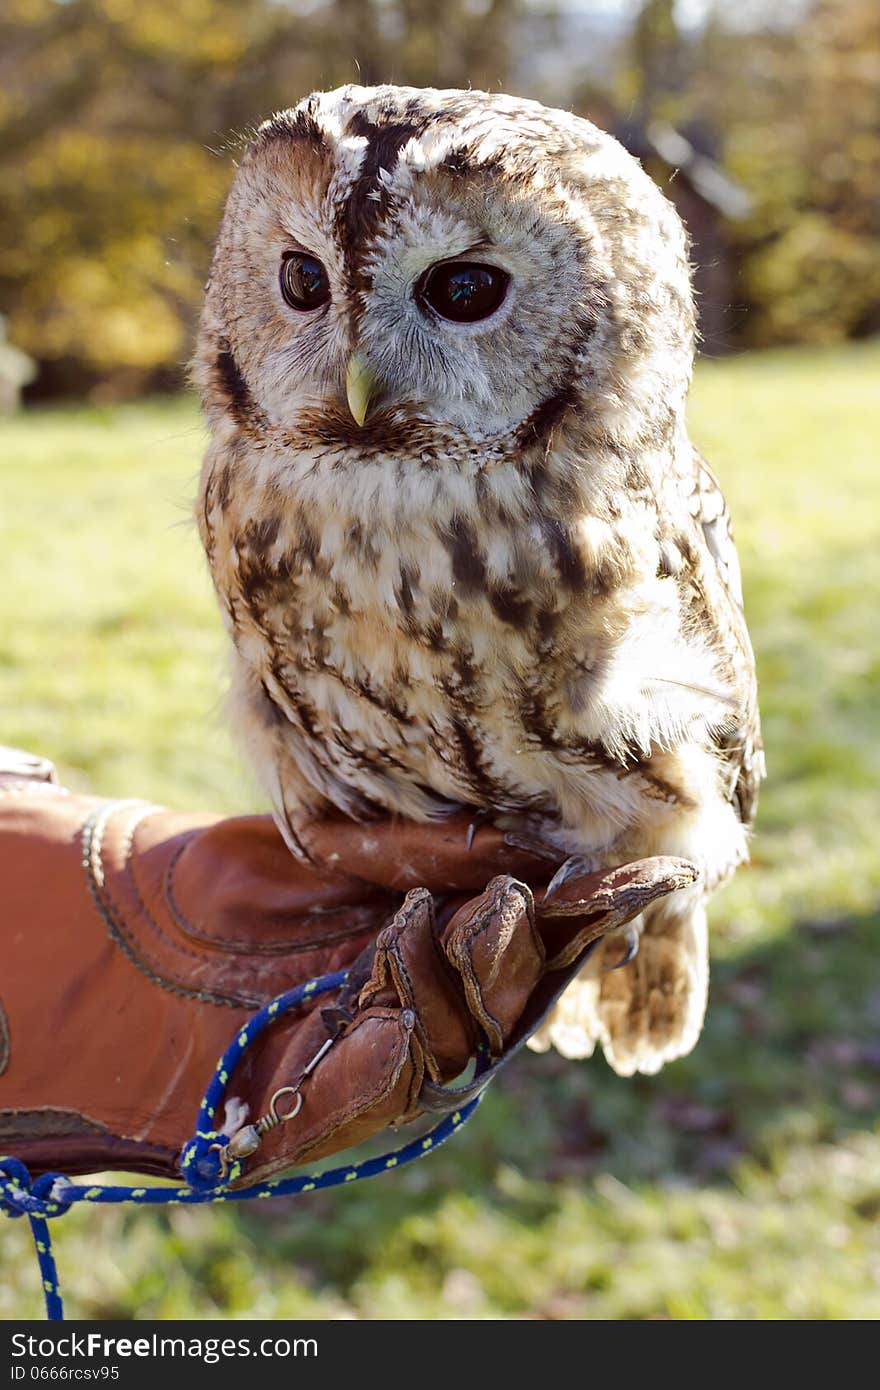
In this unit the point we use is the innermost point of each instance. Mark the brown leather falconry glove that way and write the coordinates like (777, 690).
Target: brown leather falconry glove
(136, 941)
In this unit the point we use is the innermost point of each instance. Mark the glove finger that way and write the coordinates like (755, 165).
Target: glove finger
(419, 1013)
(586, 906)
(369, 1078)
(493, 943)
(410, 969)
(429, 994)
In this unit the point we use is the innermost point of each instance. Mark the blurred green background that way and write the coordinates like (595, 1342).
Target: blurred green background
(744, 1181)
(120, 119)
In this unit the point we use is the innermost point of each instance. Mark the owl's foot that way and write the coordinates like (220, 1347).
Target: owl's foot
(651, 1012)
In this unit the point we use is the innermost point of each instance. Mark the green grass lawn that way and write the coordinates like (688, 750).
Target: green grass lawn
(744, 1182)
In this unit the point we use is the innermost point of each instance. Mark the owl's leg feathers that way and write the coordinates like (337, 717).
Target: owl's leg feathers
(650, 1009)
(652, 1012)
(649, 1012)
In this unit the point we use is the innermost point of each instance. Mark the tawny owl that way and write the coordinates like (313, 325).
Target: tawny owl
(465, 550)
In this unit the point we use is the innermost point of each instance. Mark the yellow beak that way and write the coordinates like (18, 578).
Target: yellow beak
(360, 387)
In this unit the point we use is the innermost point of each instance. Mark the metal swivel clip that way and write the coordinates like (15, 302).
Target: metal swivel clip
(249, 1138)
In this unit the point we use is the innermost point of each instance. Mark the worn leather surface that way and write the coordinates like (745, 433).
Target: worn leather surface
(135, 941)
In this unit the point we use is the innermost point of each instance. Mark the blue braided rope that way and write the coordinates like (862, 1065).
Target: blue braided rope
(19, 1196)
(53, 1194)
(48, 1270)
(200, 1161)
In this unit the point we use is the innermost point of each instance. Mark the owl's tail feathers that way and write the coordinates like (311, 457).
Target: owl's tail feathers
(647, 1013)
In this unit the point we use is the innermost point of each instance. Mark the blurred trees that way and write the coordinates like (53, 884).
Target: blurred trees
(800, 109)
(119, 119)
(108, 187)
(788, 97)
(657, 58)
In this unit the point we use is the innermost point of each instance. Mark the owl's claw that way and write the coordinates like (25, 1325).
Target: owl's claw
(576, 866)
(479, 818)
(631, 937)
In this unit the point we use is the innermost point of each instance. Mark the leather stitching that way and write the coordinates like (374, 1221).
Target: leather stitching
(93, 866)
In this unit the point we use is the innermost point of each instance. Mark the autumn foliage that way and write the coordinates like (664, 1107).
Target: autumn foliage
(119, 122)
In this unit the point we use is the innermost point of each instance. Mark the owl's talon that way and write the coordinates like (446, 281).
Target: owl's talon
(631, 937)
(576, 866)
(479, 818)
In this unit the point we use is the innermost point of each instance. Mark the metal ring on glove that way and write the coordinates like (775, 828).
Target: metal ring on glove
(273, 1117)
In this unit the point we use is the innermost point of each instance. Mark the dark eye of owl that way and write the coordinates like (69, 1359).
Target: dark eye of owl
(463, 291)
(303, 279)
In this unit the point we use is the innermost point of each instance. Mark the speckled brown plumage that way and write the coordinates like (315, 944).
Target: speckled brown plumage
(514, 587)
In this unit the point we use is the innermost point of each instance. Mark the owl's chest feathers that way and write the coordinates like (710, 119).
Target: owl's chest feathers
(426, 614)
(500, 656)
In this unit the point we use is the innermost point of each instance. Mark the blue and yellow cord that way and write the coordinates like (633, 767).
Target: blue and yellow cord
(52, 1194)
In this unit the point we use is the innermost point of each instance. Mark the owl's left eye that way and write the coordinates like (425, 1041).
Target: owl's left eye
(304, 281)
(463, 291)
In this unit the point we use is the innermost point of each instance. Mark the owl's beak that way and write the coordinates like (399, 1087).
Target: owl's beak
(360, 386)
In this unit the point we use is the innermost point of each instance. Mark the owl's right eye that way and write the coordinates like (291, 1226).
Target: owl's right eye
(304, 281)
(463, 291)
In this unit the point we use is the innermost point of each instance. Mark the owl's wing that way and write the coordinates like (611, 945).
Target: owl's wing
(652, 1012)
(717, 606)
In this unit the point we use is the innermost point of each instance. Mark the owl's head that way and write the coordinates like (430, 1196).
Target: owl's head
(424, 267)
